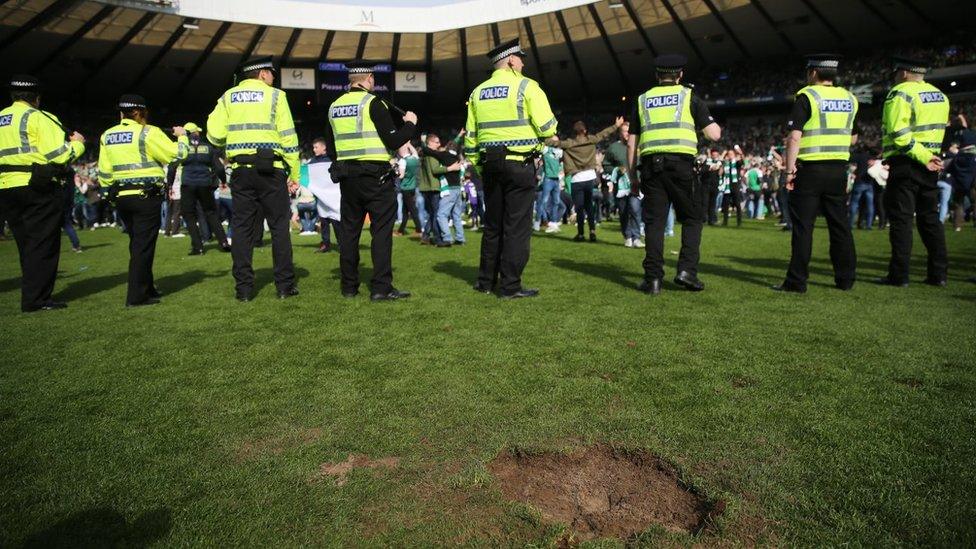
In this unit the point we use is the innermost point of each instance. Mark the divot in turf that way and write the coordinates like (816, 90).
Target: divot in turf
(601, 492)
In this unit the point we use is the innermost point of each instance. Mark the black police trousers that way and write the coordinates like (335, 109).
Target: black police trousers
(509, 201)
(671, 179)
(35, 218)
(913, 190)
(189, 197)
(820, 187)
(364, 192)
(255, 196)
(142, 220)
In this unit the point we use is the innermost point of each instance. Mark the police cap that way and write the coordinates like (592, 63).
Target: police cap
(131, 101)
(25, 82)
(671, 63)
(505, 49)
(910, 65)
(824, 61)
(190, 127)
(360, 67)
(257, 63)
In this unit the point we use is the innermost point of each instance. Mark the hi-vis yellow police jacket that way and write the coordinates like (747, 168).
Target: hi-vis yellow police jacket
(133, 155)
(27, 137)
(507, 111)
(914, 121)
(253, 115)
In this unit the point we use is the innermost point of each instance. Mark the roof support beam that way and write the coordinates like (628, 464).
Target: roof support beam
(772, 24)
(120, 45)
(572, 53)
(395, 52)
(819, 15)
(326, 46)
(151, 65)
(429, 52)
(217, 37)
(463, 39)
(74, 38)
(289, 47)
(39, 20)
(640, 28)
(606, 41)
(918, 12)
(361, 48)
(496, 35)
(725, 25)
(873, 12)
(681, 27)
(535, 50)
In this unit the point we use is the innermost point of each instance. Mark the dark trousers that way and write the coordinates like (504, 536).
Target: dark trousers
(256, 197)
(670, 179)
(733, 199)
(142, 222)
(365, 193)
(820, 187)
(172, 222)
(509, 202)
(912, 189)
(711, 202)
(189, 198)
(327, 224)
(583, 200)
(35, 219)
(432, 202)
(410, 211)
(783, 196)
(879, 207)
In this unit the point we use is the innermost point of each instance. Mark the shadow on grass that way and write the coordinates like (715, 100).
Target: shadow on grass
(465, 273)
(90, 247)
(611, 273)
(91, 286)
(172, 284)
(265, 277)
(104, 527)
(10, 284)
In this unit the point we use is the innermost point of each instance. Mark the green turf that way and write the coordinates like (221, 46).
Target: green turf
(825, 419)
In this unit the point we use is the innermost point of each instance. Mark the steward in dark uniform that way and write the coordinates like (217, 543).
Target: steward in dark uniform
(818, 152)
(201, 171)
(253, 122)
(667, 119)
(362, 134)
(913, 128)
(33, 170)
(508, 118)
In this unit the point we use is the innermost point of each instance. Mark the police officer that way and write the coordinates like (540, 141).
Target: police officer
(363, 136)
(132, 162)
(666, 119)
(33, 158)
(818, 151)
(508, 119)
(201, 171)
(253, 122)
(913, 127)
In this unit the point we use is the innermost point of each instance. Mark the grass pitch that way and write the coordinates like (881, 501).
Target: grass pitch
(822, 419)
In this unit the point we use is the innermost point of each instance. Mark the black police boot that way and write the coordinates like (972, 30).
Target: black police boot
(523, 293)
(225, 247)
(937, 282)
(689, 281)
(481, 289)
(888, 281)
(579, 238)
(592, 237)
(392, 295)
(155, 293)
(47, 306)
(196, 251)
(146, 303)
(288, 292)
(785, 287)
(650, 287)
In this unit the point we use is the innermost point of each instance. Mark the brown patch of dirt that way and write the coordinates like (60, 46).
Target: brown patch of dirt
(340, 471)
(600, 491)
(276, 445)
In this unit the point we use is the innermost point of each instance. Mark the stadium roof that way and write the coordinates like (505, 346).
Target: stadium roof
(595, 49)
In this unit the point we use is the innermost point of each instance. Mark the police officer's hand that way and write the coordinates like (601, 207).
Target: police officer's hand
(75, 136)
(790, 177)
(178, 131)
(934, 164)
(410, 116)
(619, 121)
(455, 167)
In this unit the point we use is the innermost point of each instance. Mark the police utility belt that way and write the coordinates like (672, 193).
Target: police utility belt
(658, 161)
(263, 161)
(44, 177)
(495, 155)
(145, 187)
(343, 169)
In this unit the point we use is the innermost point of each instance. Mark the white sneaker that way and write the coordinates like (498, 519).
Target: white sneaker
(628, 243)
(552, 228)
(179, 235)
(162, 231)
(638, 243)
(307, 233)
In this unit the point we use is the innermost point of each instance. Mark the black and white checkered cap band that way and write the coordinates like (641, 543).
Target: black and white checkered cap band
(22, 84)
(361, 70)
(505, 53)
(130, 105)
(669, 70)
(258, 66)
(914, 68)
(823, 64)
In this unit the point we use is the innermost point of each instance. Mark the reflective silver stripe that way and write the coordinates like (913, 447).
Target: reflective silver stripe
(361, 152)
(900, 132)
(56, 153)
(142, 144)
(928, 127)
(665, 142)
(931, 145)
(503, 124)
(827, 131)
(668, 126)
(25, 146)
(903, 95)
(360, 135)
(14, 150)
(286, 133)
(816, 97)
(825, 148)
(256, 126)
(850, 117)
(274, 108)
(679, 111)
(547, 125)
(359, 116)
(520, 99)
(129, 167)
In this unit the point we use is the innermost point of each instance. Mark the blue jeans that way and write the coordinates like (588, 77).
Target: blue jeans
(630, 216)
(399, 213)
(432, 232)
(863, 191)
(421, 211)
(450, 207)
(225, 211)
(550, 202)
(307, 214)
(945, 193)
